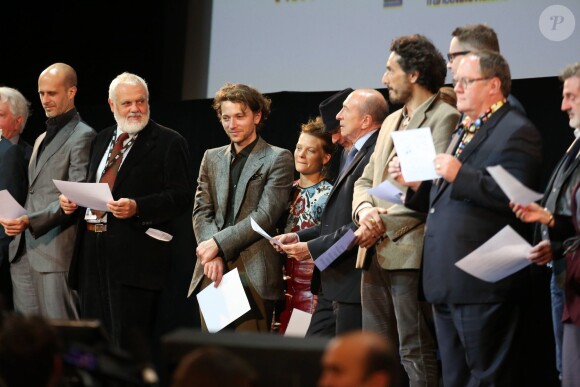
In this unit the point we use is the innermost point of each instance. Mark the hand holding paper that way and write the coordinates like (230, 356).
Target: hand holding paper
(222, 305)
(256, 227)
(9, 207)
(416, 153)
(89, 195)
(512, 187)
(502, 255)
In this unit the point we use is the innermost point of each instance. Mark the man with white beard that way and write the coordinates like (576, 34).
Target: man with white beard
(119, 267)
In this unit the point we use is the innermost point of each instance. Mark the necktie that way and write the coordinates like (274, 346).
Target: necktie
(349, 158)
(112, 166)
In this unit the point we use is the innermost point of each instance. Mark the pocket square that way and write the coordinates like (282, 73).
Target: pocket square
(256, 176)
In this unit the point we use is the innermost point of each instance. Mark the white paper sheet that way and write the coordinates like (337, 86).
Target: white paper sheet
(222, 305)
(90, 195)
(256, 227)
(502, 255)
(512, 187)
(9, 207)
(387, 191)
(159, 235)
(298, 324)
(416, 153)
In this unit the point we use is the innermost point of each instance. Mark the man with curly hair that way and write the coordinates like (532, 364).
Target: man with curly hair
(246, 178)
(392, 240)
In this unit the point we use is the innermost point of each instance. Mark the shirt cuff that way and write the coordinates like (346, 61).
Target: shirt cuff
(361, 206)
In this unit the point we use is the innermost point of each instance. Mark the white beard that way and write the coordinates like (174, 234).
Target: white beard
(131, 127)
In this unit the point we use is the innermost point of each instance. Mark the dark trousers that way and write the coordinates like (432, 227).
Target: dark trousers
(478, 343)
(128, 313)
(6, 303)
(332, 318)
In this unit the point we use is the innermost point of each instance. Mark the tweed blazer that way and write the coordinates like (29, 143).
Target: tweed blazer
(262, 193)
(402, 242)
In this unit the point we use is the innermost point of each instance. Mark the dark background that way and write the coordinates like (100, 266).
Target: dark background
(102, 39)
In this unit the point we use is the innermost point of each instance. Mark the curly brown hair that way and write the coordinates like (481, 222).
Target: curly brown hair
(247, 96)
(418, 53)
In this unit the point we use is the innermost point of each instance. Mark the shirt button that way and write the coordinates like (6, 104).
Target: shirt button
(432, 210)
(31, 191)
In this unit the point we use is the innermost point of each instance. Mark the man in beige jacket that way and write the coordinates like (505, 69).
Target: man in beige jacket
(391, 235)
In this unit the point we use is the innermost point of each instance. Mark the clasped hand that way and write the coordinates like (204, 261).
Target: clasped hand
(371, 226)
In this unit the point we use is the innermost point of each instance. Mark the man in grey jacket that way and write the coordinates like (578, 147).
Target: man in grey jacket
(247, 178)
(41, 251)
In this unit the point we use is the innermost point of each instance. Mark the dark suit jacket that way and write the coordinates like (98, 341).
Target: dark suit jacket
(156, 173)
(340, 281)
(466, 213)
(560, 189)
(12, 178)
(26, 149)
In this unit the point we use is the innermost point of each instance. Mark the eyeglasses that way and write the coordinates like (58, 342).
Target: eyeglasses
(452, 55)
(466, 82)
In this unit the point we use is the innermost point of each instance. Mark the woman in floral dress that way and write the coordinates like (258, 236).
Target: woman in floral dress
(309, 194)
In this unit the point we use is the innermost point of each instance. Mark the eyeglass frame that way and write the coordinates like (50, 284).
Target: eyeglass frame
(452, 55)
(466, 82)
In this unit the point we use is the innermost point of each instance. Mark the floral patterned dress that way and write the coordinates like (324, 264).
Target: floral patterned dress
(306, 206)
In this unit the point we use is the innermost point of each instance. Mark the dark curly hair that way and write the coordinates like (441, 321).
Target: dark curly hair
(247, 96)
(418, 53)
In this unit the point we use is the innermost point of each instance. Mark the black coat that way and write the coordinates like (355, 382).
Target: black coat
(157, 174)
(340, 281)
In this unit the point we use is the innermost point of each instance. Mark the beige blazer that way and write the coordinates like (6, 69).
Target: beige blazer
(402, 243)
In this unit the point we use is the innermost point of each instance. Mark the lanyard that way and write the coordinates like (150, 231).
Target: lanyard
(110, 163)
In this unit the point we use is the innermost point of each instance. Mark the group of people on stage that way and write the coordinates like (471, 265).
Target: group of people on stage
(399, 277)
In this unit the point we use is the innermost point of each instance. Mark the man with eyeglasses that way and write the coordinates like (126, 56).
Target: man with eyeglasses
(477, 322)
(470, 38)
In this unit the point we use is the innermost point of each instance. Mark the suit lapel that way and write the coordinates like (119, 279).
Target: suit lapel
(389, 146)
(146, 140)
(57, 142)
(32, 163)
(481, 135)
(98, 152)
(483, 132)
(359, 156)
(222, 179)
(559, 177)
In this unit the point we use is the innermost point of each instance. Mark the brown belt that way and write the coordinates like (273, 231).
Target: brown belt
(97, 227)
